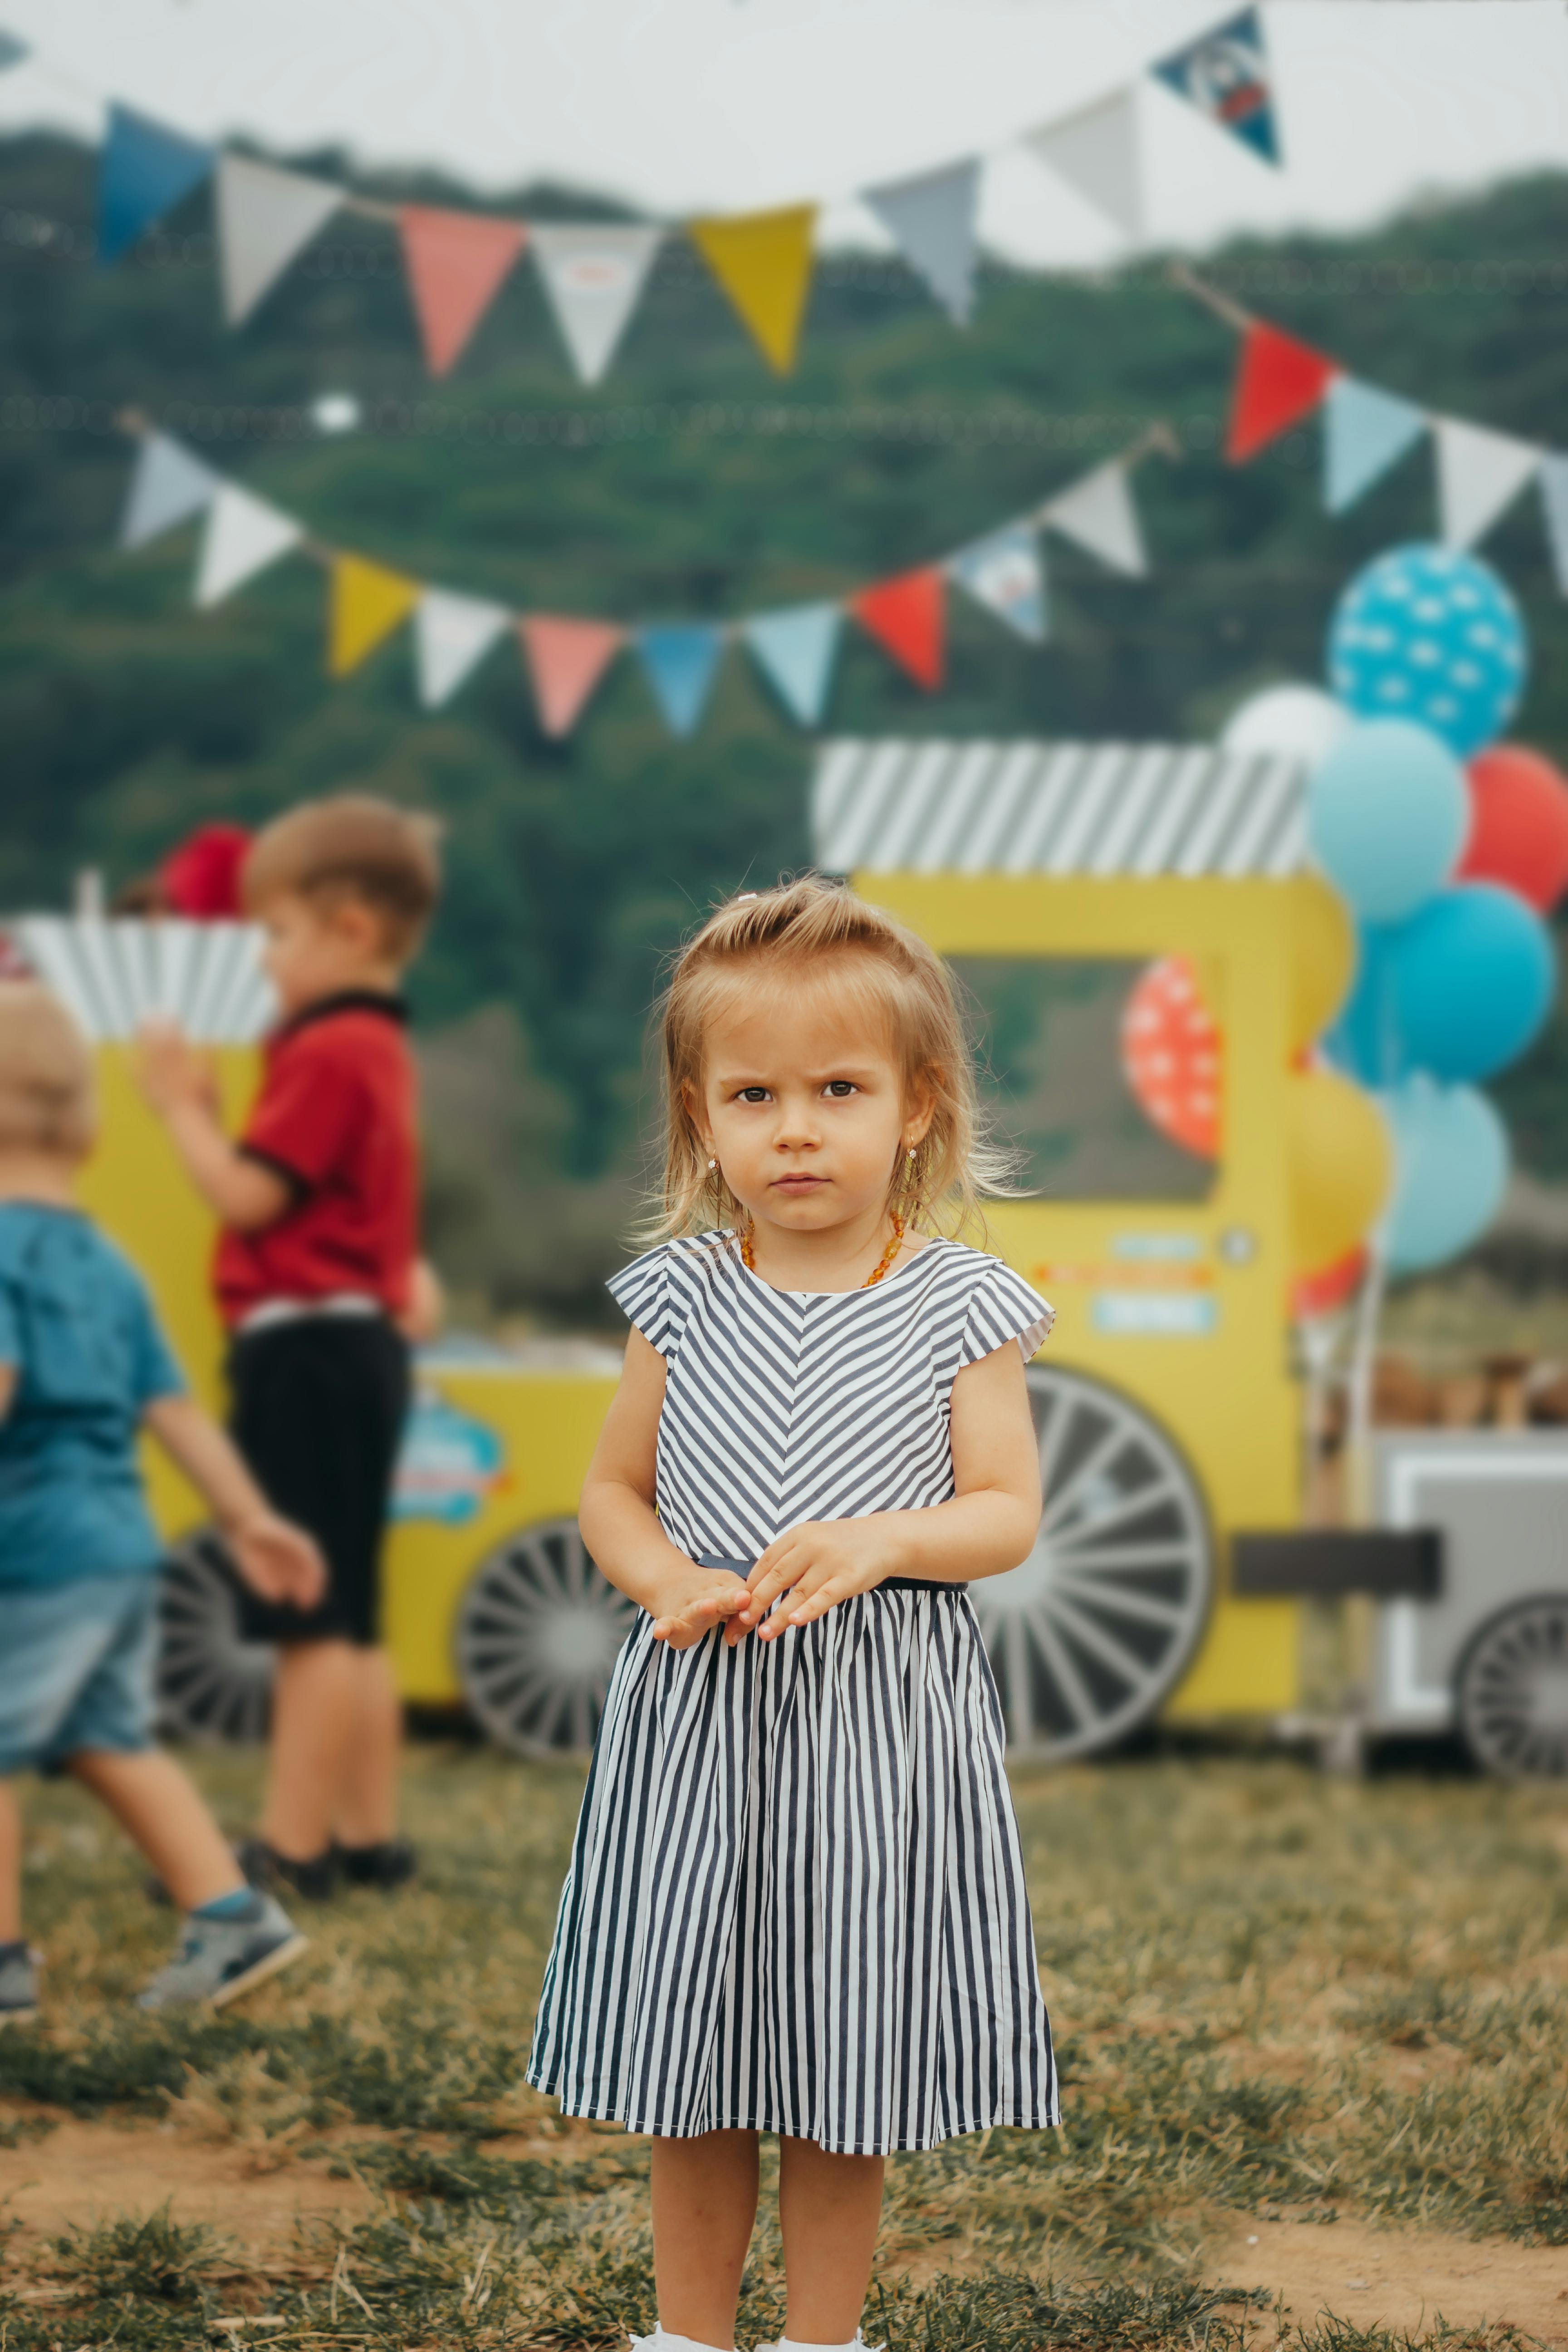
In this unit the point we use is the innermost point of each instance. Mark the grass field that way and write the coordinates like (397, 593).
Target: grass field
(1284, 2005)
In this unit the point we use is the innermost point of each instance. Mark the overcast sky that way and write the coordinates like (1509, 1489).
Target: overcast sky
(683, 104)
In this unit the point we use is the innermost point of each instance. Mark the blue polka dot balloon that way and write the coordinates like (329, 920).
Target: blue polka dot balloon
(1433, 634)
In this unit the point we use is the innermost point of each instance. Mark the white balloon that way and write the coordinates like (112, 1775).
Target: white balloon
(1300, 721)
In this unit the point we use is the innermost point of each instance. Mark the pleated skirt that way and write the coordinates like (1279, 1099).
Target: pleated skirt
(797, 1898)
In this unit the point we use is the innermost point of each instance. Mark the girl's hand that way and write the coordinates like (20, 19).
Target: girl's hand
(690, 1603)
(821, 1562)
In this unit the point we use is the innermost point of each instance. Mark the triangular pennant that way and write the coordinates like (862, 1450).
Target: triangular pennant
(1097, 152)
(243, 535)
(13, 52)
(1099, 513)
(1003, 572)
(450, 635)
(1554, 508)
(794, 648)
(142, 173)
(168, 486)
(682, 658)
(1365, 431)
(566, 660)
(931, 219)
(264, 216)
(1225, 74)
(1479, 472)
(594, 277)
(366, 604)
(906, 616)
(763, 261)
(456, 262)
(1277, 381)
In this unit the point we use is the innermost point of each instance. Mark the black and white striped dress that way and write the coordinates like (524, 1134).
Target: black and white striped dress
(797, 1898)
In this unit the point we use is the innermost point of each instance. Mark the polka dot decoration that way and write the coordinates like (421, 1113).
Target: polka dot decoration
(1431, 635)
(1171, 1056)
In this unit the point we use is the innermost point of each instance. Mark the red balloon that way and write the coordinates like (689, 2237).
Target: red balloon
(1519, 833)
(1330, 1286)
(1171, 1054)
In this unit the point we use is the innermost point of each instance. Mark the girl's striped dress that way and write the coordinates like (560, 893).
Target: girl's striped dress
(797, 1897)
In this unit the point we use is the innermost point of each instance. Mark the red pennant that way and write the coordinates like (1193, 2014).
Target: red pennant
(567, 659)
(456, 262)
(1278, 380)
(906, 616)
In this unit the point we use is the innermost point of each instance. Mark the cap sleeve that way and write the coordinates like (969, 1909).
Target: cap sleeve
(643, 1293)
(1001, 1307)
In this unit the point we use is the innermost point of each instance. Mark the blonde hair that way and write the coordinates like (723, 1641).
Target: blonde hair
(799, 928)
(47, 1099)
(353, 845)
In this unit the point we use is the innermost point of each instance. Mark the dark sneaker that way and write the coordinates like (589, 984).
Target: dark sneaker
(267, 1870)
(218, 1960)
(390, 1864)
(18, 1984)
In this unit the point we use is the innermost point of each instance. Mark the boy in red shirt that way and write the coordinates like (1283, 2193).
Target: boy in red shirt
(319, 1284)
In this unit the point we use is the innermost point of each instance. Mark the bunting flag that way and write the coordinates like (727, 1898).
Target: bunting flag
(1555, 510)
(142, 173)
(1099, 513)
(1365, 432)
(1478, 473)
(1225, 74)
(795, 649)
(451, 635)
(682, 658)
(932, 220)
(762, 261)
(1278, 382)
(907, 616)
(1096, 152)
(456, 262)
(567, 660)
(1003, 572)
(244, 534)
(264, 216)
(169, 485)
(593, 278)
(367, 603)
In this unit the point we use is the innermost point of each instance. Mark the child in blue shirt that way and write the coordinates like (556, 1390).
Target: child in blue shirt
(83, 1365)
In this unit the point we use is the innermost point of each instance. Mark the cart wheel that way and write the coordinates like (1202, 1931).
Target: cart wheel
(1089, 1634)
(538, 1633)
(213, 1685)
(1511, 1690)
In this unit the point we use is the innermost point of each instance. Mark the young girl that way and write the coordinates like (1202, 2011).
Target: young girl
(796, 1899)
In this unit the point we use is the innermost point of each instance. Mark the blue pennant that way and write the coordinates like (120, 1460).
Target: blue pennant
(1364, 431)
(682, 658)
(794, 647)
(143, 173)
(1225, 74)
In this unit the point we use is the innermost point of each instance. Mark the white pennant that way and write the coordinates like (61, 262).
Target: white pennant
(243, 535)
(1100, 514)
(1096, 151)
(594, 277)
(931, 219)
(168, 486)
(450, 633)
(264, 216)
(1478, 473)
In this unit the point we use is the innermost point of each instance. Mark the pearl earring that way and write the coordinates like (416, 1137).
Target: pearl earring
(910, 1152)
(711, 1165)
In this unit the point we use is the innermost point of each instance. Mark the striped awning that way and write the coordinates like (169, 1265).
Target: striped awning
(1056, 808)
(113, 972)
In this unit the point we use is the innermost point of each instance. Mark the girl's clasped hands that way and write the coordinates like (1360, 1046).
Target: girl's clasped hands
(800, 1577)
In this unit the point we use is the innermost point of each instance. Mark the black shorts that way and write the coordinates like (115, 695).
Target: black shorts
(317, 1408)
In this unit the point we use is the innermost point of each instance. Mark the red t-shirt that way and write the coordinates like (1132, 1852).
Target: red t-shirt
(335, 1119)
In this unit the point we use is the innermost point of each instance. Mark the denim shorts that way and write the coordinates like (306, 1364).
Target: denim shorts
(76, 1670)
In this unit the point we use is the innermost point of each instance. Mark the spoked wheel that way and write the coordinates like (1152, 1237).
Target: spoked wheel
(213, 1685)
(1511, 1690)
(538, 1634)
(1090, 1633)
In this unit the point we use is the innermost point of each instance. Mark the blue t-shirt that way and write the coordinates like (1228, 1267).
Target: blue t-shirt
(78, 1326)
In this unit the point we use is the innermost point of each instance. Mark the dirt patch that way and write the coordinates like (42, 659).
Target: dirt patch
(1403, 2279)
(85, 2173)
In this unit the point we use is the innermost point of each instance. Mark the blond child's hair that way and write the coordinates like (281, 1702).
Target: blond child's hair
(47, 1099)
(804, 927)
(352, 845)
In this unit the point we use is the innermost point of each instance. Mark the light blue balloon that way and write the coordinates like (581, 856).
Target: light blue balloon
(1451, 1169)
(1387, 812)
(1469, 981)
(1433, 634)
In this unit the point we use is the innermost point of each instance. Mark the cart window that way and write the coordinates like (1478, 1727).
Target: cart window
(1049, 1036)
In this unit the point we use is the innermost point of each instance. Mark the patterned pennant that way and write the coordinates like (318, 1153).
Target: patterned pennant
(1278, 381)
(456, 262)
(592, 276)
(451, 633)
(1554, 509)
(1366, 432)
(367, 603)
(142, 173)
(907, 616)
(567, 660)
(1099, 513)
(1096, 152)
(682, 658)
(1003, 572)
(795, 649)
(763, 261)
(1478, 473)
(244, 534)
(1225, 74)
(264, 217)
(931, 219)
(168, 486)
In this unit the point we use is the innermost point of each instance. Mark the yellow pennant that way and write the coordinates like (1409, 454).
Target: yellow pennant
(367, 603)
(763, 261)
